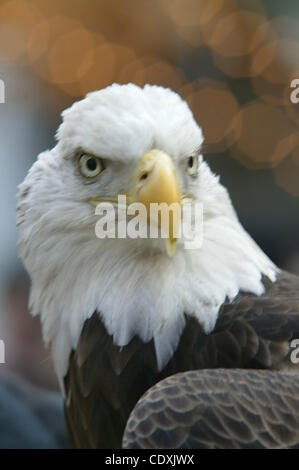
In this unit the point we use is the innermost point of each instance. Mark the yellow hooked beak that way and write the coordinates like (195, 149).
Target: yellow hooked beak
(157, 184)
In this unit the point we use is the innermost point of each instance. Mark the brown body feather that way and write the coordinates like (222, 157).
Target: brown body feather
(104, 382)
(233, 409)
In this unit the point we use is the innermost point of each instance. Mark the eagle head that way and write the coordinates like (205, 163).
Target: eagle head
(142, 144)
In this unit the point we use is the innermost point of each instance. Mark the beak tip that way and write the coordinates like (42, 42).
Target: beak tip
(170, 247)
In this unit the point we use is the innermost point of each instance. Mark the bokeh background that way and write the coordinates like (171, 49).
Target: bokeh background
(232, 60)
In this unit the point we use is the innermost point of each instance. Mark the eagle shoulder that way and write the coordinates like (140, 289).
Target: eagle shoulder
(105, 381)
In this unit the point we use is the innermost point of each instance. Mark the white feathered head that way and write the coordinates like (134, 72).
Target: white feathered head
(143, 143)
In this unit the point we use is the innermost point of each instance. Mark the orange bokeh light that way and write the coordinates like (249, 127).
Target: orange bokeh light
(286, 175)
(17, 19)
(68, 54)
(283, 63)
(215, 109)
(102, 70)
(191, 12)
(160, 73)
(232, 35)
(266, 137)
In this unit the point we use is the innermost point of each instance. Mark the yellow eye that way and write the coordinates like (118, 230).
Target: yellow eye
(192, 165)
(90, 166)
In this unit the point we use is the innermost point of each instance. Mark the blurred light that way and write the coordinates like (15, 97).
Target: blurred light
(266, 136)
(60, 25)
(215, 109)
(232, 35)
(233, 40)
(285, 147)
(285, 27)
(102, 70)
(295, 154)
(56, 27)
(124, 55)
(128, 72)
(262, 34)
(273, 93)
(286, 175)
(17, 19)
(190, 17)
(235, 67)
(283, 63)
(67, 55)
(277, 58)
(191, 12)
(160, 73)
(38, 41)
(262, 58)
(106, 63)
(191, 34)
(274, 66)
(187, 92)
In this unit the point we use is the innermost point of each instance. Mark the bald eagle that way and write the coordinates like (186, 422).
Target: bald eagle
(121, 314)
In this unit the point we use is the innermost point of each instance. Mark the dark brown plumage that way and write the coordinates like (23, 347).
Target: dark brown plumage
(233, 409)
(104, 382)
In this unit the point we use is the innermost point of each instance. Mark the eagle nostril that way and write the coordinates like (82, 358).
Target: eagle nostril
(144, 176)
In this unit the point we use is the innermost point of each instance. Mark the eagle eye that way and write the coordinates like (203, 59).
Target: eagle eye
(89, 165)
(192, 165)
